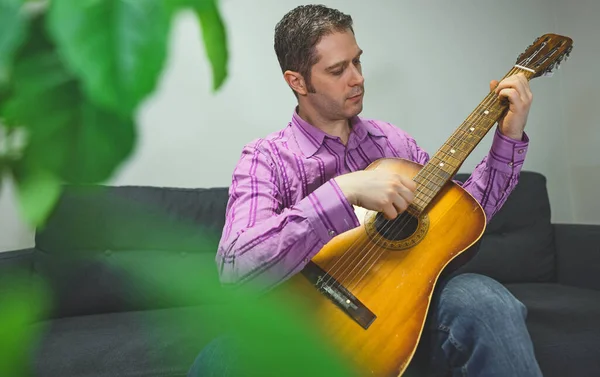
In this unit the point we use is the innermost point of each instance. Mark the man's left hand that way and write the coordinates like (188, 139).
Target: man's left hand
(516, 90)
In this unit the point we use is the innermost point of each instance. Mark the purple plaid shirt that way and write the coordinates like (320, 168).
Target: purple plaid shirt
(284, 205)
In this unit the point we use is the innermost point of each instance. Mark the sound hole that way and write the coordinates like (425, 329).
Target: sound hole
(402, 227)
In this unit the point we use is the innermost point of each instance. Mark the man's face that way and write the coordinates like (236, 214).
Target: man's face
(337, 77)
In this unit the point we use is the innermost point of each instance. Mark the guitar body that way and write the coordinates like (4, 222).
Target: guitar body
(393, 279)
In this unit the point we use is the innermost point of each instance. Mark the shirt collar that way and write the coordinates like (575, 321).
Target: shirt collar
(310, 138)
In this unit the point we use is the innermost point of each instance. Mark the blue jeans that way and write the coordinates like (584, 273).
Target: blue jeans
(476, 328)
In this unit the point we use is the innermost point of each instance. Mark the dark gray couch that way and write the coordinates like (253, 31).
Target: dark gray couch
(127, 268)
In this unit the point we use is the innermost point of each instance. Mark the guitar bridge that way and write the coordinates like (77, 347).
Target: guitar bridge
(339, 295)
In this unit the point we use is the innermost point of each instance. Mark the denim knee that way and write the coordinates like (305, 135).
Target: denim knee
(216, 359)
(480, 298)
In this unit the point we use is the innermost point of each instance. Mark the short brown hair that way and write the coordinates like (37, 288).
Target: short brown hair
(299, 31)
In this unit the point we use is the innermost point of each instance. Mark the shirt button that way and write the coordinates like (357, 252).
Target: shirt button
(510, 164)
(331, 233)
(521, 151)
(306, 260)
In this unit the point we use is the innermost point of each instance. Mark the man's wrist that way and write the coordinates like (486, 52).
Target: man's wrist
(517, 136)
(347, 191)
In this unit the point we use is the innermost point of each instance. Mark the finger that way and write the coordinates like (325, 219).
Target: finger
(407, 194)
(493, 85)
(400, 204)
(522, 86)
(512, 95)
(527, 88)
(518, 82)
(389, 211)
(408, 183)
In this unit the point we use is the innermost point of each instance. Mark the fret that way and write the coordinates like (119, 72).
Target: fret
(422, 192)
(480, 128)
(445, 163)
(458, 153)
(420, 202)
(477, 130)
(424, 197)
(487, 119)
(449, 154)
(441, 165)
(414, 209)
(468, 138)
(434, 180)
(423, 187)
(461, 136)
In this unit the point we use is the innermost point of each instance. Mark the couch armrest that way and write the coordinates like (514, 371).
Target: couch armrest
(15, 262)
(578, 255)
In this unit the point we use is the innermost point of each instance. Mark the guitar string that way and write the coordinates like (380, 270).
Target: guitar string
(492, 98)
(511, 72)
(344, 257)
(390, 224)
(461, 143)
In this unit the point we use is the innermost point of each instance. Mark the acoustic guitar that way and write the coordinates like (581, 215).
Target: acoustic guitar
(370, 288)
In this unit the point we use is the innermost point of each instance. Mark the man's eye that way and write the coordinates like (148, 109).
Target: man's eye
(337, 73)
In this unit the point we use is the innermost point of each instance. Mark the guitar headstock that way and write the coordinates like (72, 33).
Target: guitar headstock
(545, 54)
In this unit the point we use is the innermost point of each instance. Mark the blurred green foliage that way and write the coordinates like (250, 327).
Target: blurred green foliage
(72, 76)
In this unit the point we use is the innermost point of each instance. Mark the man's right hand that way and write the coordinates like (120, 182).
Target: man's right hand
(379, 191)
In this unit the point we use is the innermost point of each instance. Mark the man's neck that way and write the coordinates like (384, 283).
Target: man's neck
(339, 128)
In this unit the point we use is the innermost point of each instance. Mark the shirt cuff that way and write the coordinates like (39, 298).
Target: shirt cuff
(507, 154)
(328, 211)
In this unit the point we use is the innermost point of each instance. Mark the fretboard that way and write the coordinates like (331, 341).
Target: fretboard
(446, 162)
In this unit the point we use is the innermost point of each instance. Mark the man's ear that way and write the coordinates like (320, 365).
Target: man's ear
(296, 82)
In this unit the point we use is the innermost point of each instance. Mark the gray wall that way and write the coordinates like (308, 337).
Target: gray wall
(426, 67)
(580, 104)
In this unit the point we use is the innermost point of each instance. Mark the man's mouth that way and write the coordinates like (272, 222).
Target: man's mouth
(356, 96)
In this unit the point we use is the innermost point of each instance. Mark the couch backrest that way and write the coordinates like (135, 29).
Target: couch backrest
(518, 244)
(109, 249)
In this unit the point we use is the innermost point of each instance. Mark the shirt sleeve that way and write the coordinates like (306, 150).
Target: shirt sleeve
(495, 177)
(264, 242)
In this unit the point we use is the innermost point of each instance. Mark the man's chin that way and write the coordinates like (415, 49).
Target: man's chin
(355, 110)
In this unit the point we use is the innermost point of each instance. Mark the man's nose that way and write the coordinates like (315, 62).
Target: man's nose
(357, 77)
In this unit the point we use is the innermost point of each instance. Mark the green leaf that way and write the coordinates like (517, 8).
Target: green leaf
(67, 136)
(116, 47)
(215, 39)
(37, 192)
(22, 303)
(214, 35)
(12, 33)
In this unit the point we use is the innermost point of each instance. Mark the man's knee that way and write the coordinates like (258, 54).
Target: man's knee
(479, 297)
(217, 359)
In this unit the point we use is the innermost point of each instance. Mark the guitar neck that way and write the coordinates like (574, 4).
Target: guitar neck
(445, 163)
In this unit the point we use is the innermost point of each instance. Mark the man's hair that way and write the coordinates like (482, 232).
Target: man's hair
(298, 33)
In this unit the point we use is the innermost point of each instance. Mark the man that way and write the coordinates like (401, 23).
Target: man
(293, 191)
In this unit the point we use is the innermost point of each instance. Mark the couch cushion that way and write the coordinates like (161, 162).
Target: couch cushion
(518, 244)
(563, 323)
(107, 249)
(91, 219)
(150, 343)
(128, 280)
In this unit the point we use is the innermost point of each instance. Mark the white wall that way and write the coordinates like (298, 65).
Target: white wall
(426, 67)
(580, 101)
